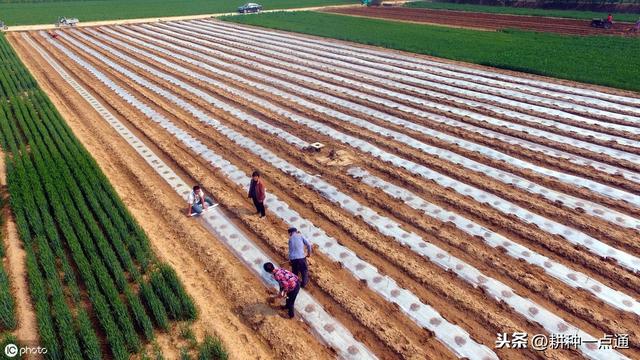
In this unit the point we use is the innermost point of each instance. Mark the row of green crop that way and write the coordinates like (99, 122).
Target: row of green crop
(76, 229)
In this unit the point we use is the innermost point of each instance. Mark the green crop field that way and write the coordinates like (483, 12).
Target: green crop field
(47, 12)
(98, 290)
(570, 14)
(604, 60)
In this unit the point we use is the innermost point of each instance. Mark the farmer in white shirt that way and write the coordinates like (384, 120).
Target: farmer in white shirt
(198, 202)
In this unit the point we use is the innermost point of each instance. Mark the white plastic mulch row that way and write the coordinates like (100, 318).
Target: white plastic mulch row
(388, 227)
(574, 236)
(328, 329)
(217, 37)
(171, 42)
(460, 87)
(452, 336)
(589, 207)
(458, 70)
(573, 202)
(561, 272)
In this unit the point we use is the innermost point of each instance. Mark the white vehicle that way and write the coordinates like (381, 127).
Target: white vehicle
(3, 26)
(63, 21)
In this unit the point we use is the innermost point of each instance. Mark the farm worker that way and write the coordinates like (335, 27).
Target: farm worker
(297, 257)
(288, 283)
(197, 201)
(610, 18)
(257, 193)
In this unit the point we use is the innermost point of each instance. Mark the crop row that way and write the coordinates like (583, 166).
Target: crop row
(76, 229)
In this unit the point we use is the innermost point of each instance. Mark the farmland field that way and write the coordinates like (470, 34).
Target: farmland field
(474, 20)
(47, 12)
(569, 14)
(450, 202)
(96, 287)
(584, 58)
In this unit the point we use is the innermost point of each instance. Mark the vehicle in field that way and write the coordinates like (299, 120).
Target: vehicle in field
(3, 26)
(63, 21)
(371, 2)
(601, 23)
(250, 8)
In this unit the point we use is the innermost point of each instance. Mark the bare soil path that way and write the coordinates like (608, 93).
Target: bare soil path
(14, 263)
(464, 19)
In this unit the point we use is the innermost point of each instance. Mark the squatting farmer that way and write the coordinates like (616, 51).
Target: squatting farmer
(198, 202)
(257, 193)
(289, 286)
(297, 256)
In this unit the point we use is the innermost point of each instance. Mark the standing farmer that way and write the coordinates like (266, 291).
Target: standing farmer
(288, 283)
(297, 257)
(257, 193)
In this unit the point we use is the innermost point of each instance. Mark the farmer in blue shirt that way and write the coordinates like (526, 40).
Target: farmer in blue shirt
(297, 257)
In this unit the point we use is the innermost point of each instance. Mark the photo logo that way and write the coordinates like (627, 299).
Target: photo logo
(11, 350)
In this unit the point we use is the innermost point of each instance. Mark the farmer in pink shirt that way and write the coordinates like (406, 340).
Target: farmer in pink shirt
(288, 283)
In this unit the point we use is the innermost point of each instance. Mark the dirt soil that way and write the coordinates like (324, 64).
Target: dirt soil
(238, 311)
(465, 19)
(14, 263)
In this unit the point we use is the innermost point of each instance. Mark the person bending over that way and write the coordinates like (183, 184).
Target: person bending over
(288, 283)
